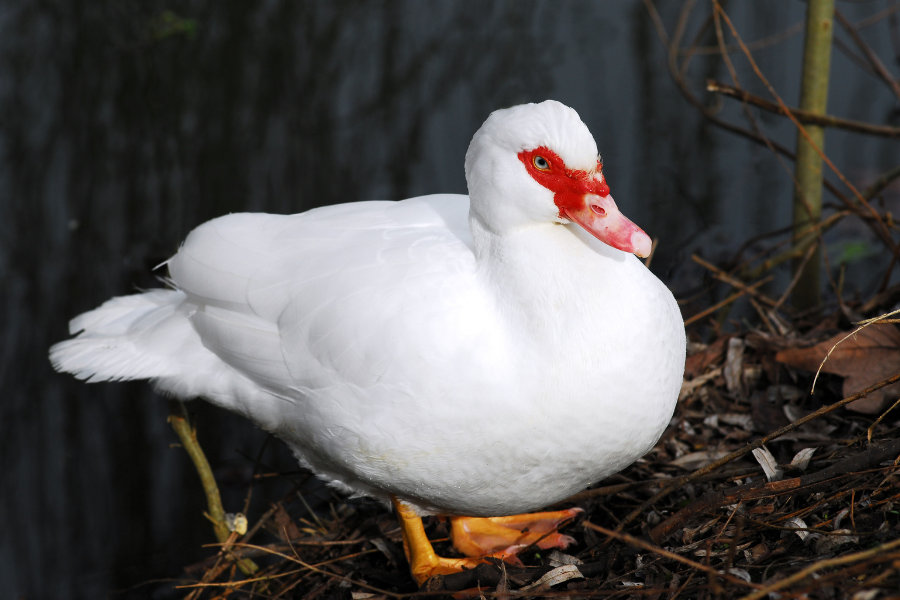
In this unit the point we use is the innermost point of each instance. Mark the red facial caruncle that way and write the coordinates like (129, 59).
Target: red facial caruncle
(583, 197)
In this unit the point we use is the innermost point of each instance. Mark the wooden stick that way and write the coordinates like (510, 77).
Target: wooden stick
(677, 483)
(873, 59)
(875, 454)
(822, 564)
(726, 301)
(180, 422)
(639, 543)
(732, 281)
(802, 115)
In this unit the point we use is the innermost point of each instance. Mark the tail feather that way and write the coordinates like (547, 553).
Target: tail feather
(150, 336)
(128, 337)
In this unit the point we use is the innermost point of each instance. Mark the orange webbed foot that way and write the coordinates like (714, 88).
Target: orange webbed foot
(479, 539)
(494, 536)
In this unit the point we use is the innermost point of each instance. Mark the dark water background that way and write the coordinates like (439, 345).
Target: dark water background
(123, 126)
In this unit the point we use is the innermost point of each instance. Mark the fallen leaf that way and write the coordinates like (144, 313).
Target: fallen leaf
(688, 535)
(554, 577)
(768, 463)
(697, 460)
(840, 517)
(286, 527)
(869, 356)
(697, 363)
(828, 543)
(801, 459)
(734, 366)
(689, 386)
(757, 553)
(797, 523)
(558, 559)
(740, 573)
(742, 420)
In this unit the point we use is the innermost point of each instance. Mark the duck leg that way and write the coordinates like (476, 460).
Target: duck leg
(478, 539)
(423, 562)
(509, 535)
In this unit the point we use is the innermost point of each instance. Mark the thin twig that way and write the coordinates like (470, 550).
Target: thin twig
(732, 281)
(873, 59)
(180, 421)
(802, 115)
(882, 182)
(679, 482)
(639, 543)
(323, 572)
(657, 22)
(885, 233)
(672, 46)
(726, 301)
(869, 21)
(822, 564)
(766, 42)
(800, 246)
(862, 325)
(797, 275)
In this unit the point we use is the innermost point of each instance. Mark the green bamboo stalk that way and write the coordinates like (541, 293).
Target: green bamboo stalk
(813, 99)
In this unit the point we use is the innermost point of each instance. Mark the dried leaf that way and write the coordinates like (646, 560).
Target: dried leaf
(798, 523)
(868, 357)
(828, 543)
(801, 459)
(742, 420)
(697, 460)
(689, 386)
(739, 573)
(734, 366)
(839, 517)
(757, 553)
(286, 527)
(768, 463)
(558, 559)
(554, 577)
(689, 534)
(502, 589)
(697, 363)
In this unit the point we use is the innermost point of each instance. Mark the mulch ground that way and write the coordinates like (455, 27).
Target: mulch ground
(758, 489)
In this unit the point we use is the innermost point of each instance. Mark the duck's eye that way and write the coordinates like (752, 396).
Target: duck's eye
(541, 163)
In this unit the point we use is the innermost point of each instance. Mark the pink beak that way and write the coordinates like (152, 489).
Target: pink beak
(601, 218)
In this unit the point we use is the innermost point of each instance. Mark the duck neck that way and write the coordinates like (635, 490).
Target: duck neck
(543, 278)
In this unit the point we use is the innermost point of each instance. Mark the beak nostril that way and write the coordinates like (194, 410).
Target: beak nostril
(598, 210)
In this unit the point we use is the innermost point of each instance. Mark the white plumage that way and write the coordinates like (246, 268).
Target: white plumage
(482, 359)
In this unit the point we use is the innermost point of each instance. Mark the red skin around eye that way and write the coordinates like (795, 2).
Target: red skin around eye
(568, 185)
(583, 197)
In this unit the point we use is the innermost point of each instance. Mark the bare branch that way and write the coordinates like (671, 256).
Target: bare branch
(802, 115)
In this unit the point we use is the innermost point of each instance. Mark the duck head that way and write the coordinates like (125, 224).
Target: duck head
(538, 163)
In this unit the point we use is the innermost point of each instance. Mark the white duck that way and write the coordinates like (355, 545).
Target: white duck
(482, 356)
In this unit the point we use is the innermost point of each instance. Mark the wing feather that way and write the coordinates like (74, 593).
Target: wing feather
(339, 295)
